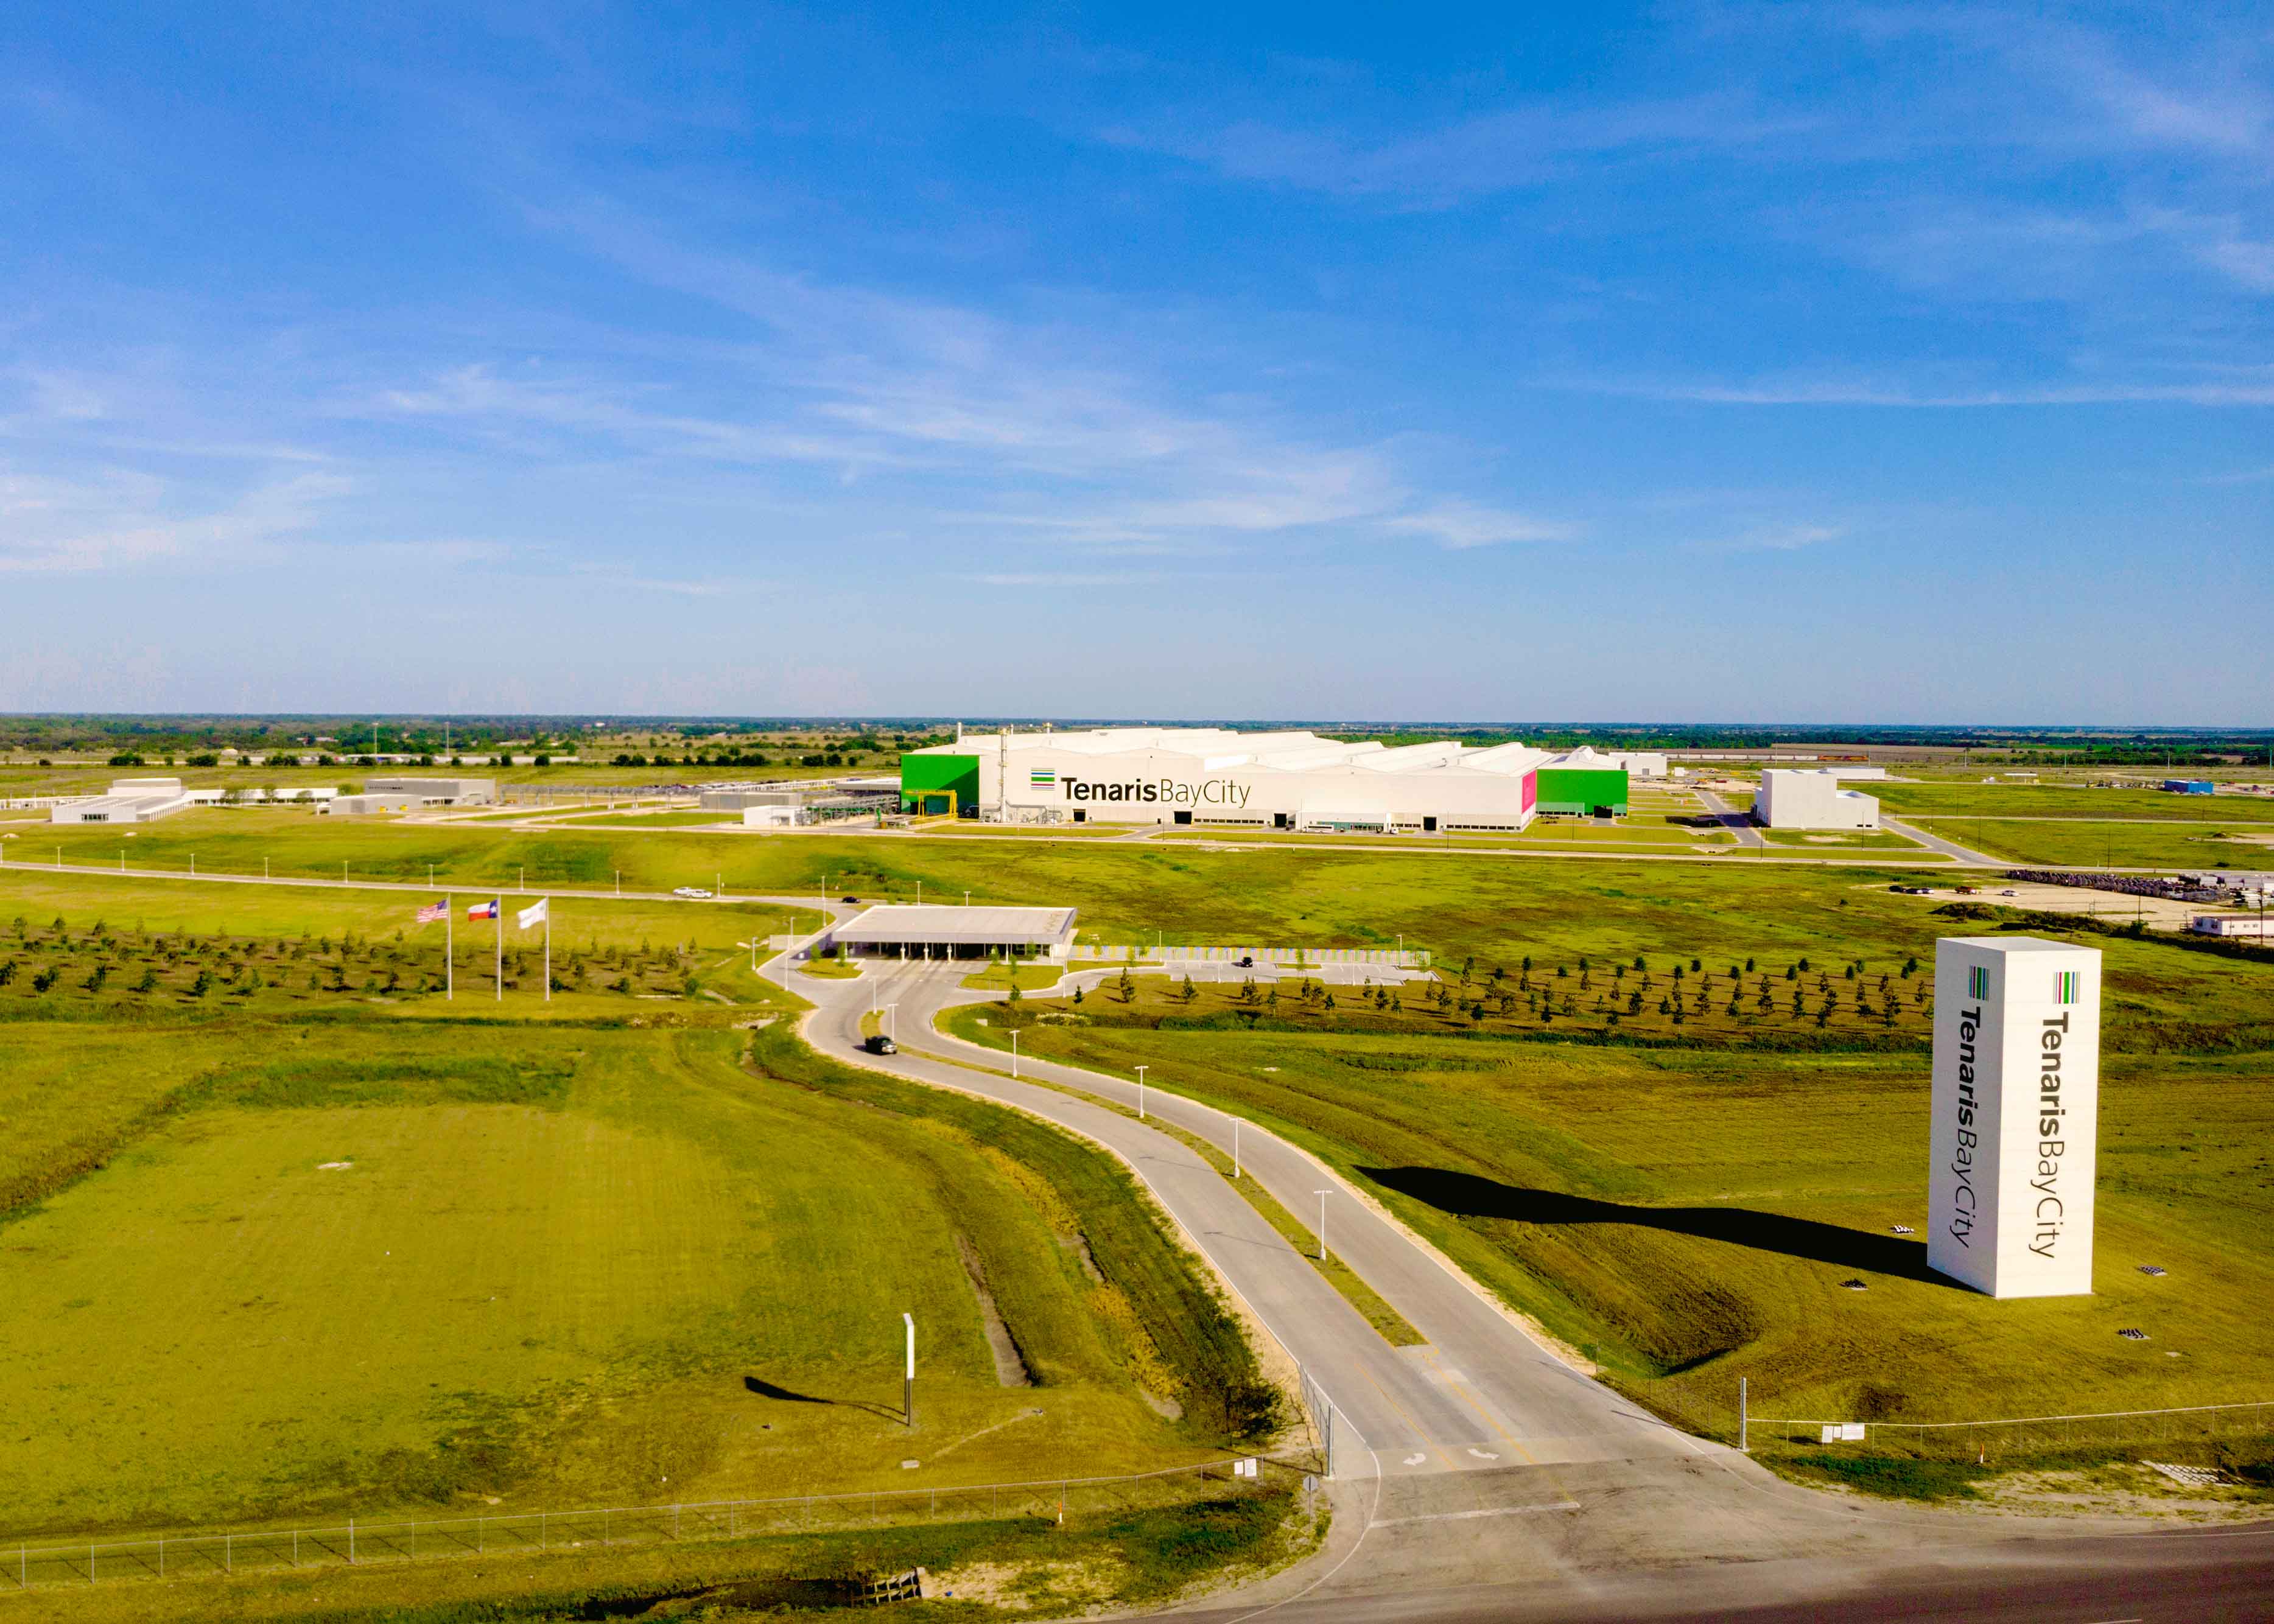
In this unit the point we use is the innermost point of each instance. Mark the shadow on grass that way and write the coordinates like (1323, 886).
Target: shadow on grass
(1465, 1195)
(785, 1396)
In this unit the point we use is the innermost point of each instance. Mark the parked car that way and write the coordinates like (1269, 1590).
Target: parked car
(880, 1045)
(693, 893)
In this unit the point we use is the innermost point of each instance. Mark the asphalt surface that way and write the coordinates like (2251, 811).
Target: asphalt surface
(1480, 1478)
(1480, 1394)
(1937, 842)
(1735, 822)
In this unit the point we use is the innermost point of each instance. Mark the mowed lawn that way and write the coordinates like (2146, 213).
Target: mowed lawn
(2083, 843)
(1693, 1217)
(321, 1270)
(1318, 894)
(2058, 800)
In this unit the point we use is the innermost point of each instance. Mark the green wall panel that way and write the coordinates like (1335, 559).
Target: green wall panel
(1583, 789)
(930, 776)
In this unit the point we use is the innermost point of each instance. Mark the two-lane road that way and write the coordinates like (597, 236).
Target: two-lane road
(1494, 1481)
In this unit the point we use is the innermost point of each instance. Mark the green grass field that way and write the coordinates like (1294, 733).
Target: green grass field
(448, 1270)
(1689, 1217)
(2085, 843)
(1687, 1202)
(290, 1255)
(1313, 895)
(2057, 800)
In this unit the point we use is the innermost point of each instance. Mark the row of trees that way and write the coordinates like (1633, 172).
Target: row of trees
(42, 959)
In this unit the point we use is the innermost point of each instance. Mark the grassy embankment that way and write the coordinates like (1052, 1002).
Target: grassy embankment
(1017, 1563)
(1690, 1206)
(305, 1259)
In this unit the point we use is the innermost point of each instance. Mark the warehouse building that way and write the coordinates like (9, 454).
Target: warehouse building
(898, 931)
(130, 800)
(1809, 798)
(1264, 780)
(438, 792)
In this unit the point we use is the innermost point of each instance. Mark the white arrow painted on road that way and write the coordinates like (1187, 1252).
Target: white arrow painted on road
(1416, 1458)
(1481, 1456)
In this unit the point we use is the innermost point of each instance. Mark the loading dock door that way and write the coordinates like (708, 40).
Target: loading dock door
(1081, 815)
(1183, 817)
(1429, 826)
(1283, 820)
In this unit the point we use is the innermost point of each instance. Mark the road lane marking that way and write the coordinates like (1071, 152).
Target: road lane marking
(1512, 1511)
(1420, 1430)
(1452, 1380)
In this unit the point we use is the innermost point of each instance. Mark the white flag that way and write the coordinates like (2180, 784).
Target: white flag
(533, 914)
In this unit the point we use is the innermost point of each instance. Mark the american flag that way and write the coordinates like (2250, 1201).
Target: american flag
(433, 912)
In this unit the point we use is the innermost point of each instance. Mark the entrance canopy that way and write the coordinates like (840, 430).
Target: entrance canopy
(956, 933)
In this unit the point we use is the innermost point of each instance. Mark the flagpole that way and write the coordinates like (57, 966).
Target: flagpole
(548, 950)
(498, 918)
(449, 953)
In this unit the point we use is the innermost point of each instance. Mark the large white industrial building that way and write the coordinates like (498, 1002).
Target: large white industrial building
(1264, 780)
(1812, 798)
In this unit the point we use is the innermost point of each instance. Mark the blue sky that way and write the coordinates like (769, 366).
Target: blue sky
(1797, 362)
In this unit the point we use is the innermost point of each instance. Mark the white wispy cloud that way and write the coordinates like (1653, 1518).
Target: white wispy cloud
(1461, 525)
(1787, 538)
(1045, 578)
(2249, 386)
(1528, 144)
(50, 525)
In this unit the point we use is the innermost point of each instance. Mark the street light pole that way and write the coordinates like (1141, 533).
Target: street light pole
(1014, 1052)
(1323, 1194)
(908, 1380)
(1140, 1093)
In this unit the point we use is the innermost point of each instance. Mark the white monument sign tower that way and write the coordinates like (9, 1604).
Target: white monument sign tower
(2016, 1104)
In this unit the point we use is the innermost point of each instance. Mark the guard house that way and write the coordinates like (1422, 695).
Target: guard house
(895, 931)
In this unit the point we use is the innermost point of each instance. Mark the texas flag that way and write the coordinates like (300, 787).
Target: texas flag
(483, 910)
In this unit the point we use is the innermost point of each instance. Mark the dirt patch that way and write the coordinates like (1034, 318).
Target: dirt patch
(2120, 1489)
(1058, 1587)
(1010, 1364)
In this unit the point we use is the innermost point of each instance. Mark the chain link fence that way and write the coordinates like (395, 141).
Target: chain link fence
(2195, 1424)
(82, 1562)
(1277, 958)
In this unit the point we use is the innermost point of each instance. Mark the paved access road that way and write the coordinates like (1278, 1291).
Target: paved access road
(1481, 1394)
(1937, 842)
(1735, 822)
(1481, 1478)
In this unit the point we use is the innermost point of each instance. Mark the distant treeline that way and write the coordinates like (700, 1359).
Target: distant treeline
(729, 737)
